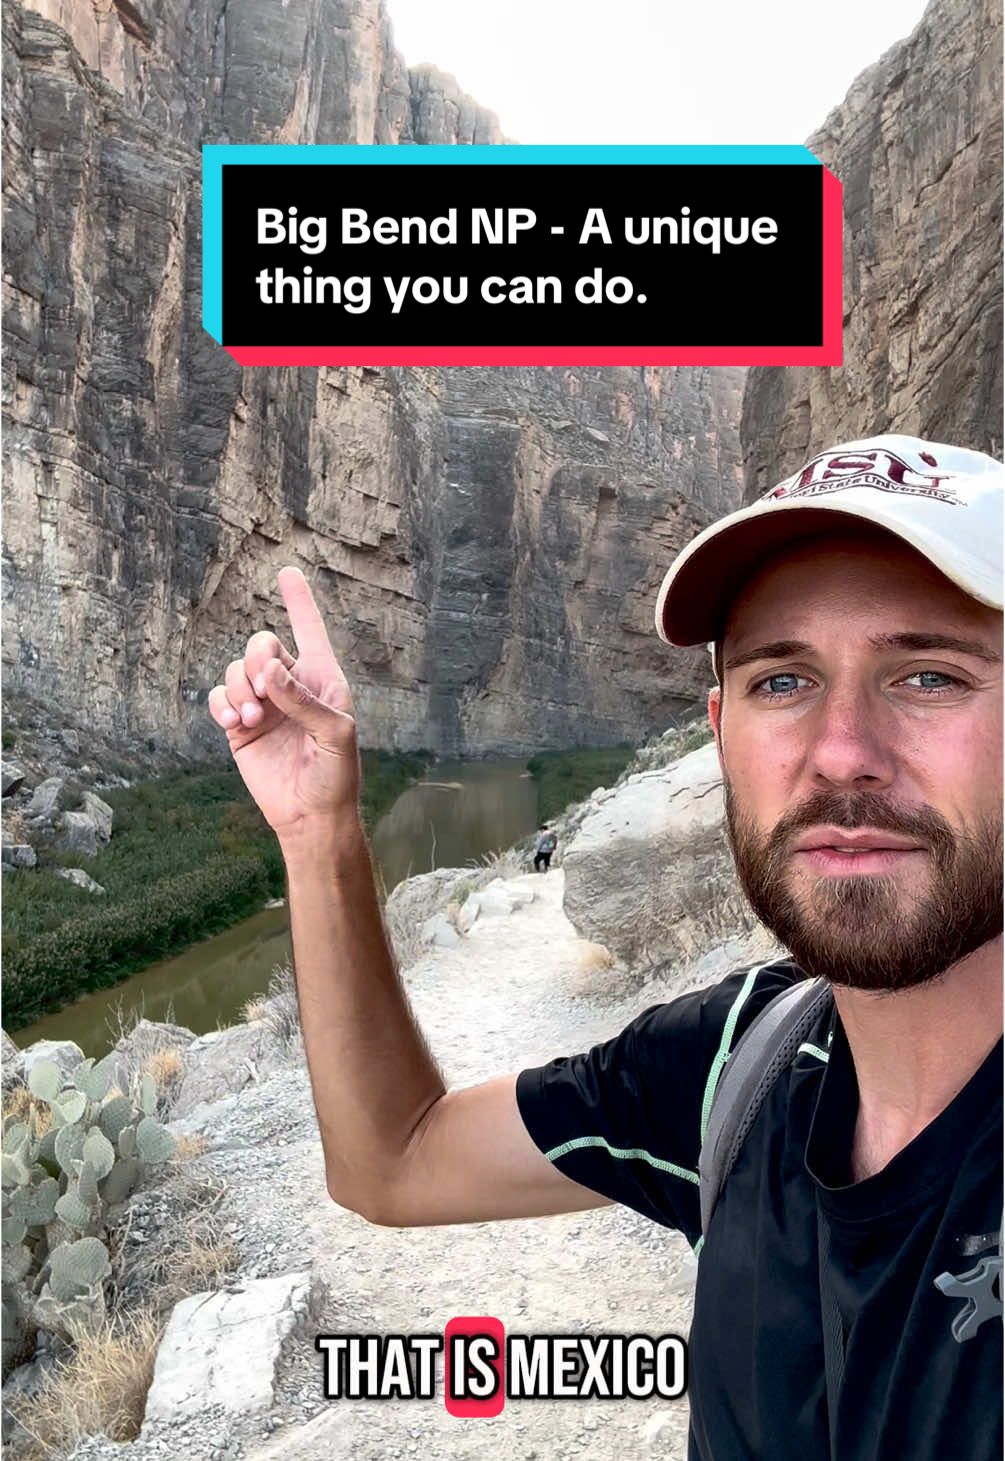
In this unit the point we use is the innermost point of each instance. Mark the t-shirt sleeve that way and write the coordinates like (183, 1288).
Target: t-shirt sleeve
(626, 1118)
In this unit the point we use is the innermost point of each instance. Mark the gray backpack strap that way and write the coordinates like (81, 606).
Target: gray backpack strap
(766, 1049)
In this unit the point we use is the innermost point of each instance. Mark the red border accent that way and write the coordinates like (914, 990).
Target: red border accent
(833, 266)
(828, 353)
(530, 355)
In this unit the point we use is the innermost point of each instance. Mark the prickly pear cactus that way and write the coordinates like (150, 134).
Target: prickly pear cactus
(81, 1150)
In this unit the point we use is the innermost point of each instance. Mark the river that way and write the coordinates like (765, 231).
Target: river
(460, 812)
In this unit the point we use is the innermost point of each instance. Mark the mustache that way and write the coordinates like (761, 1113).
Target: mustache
(851, 810)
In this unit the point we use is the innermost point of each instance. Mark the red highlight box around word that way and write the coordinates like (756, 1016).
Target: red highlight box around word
(479, 1329)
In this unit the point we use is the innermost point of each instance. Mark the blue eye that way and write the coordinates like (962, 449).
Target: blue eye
(932, 680)
(781, 685)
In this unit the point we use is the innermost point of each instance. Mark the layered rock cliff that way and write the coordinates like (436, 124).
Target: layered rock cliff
(917, 144)
(486, 544)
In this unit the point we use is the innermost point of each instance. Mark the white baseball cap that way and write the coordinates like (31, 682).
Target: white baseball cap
(945, 501)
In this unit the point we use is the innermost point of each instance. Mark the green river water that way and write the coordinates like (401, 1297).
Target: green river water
(460, 812)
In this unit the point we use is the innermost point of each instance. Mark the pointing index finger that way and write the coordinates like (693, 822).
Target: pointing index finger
(305, 617)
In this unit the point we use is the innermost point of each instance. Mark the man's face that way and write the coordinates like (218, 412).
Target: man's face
(859, 731)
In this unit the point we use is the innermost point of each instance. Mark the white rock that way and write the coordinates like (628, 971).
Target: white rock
(100, 814)
(63, 1053)
(18, 854)
(648, 873)
(439, 932)
(77, 833)
(470, 909)
(222, 1349)
(658, 1430)
(49, 797)
(79, 878)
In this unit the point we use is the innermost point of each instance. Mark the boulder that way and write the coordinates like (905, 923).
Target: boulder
(100, 813)
(77, 833)
(126, 1061)
(649, 872)
(11, 1062)
(79, 879)
(469, 911)
(415, 900)
(11, 777)
(49, 797)
(225, 1061)
(224, 1348)
(439, 932)
(18, 854)
(63, 1053)
(71, 740)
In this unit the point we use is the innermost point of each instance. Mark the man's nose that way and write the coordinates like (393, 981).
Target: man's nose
(851, 740)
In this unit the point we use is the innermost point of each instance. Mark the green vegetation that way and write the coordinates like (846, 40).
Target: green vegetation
(569, 776)
(190, 855)
(8, 738)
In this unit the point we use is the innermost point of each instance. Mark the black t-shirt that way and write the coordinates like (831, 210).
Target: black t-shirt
(626, 1120)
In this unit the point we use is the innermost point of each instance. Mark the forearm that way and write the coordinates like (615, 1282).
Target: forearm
(372, 1075)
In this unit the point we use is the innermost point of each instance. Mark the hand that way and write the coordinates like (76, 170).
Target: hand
(289, 722)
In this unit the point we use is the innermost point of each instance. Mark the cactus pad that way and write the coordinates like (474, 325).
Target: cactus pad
(35, 1205)
(99, 1151)
(77, 1267)
(93, 1083)
(154, 1143)
(45, 1080)
(116, 1114)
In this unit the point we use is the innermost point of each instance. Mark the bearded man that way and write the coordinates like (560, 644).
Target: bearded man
(848, 1293)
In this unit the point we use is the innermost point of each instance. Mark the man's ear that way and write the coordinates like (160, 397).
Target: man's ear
(715, 719)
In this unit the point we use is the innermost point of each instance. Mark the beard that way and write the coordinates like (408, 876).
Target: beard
(867, 932)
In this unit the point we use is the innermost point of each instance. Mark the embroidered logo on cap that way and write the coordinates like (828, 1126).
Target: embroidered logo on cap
(880, 469)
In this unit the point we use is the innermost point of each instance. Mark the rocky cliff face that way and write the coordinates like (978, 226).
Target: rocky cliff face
(917, 144)
(486, 544)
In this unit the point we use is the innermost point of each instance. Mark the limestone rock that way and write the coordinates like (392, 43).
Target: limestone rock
(100, 813)
(77, 833)
(917, 146)
(225, 1061)
(18, 854)
(11, 1062)
(79, 879)
(49, 797)
(63, 1053)
(649, 873)
(417, 899)
(439, 932)
(134, 1053)
(223, 1349)
(11, 777)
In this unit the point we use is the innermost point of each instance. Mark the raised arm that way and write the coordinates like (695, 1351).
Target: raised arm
(399, 1148)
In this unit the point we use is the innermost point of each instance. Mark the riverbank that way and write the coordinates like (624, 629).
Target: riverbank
(190, 855)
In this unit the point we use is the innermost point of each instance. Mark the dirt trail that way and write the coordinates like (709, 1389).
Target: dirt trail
(514, 993)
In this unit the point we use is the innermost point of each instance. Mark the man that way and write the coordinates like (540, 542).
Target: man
(856, 619)
(546, 844)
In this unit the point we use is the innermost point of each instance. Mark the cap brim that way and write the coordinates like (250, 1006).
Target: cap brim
(696, 594)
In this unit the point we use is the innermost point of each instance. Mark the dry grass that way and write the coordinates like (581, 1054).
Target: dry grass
(193, 1266)
(253, 1009)
(165, 1065)
(281, 1014)
(19, 1102)
(187, 1147)
(101, 1388)
(593, 958)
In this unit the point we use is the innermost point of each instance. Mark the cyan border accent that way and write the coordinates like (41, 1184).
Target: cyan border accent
(216, 156)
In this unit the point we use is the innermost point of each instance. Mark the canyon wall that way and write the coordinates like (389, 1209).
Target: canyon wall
(486, 544)
(917, 145)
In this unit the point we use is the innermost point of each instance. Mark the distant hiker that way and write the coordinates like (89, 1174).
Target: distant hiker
(546, 844)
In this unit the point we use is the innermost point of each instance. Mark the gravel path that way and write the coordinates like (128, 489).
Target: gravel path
(515, 993)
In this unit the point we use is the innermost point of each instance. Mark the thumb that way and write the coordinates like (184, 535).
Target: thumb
(332, 729)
